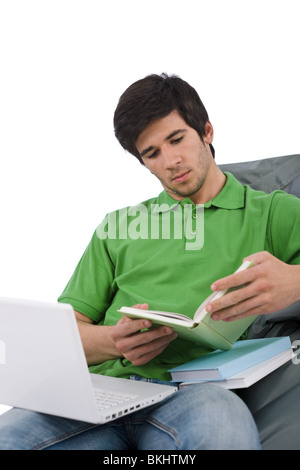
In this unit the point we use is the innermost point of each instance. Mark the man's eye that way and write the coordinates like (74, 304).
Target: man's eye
(154, 154)
(176, 141)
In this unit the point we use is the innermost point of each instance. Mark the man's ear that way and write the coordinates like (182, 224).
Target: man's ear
(209, 133)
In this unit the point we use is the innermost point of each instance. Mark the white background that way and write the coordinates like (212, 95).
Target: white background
(64, 65)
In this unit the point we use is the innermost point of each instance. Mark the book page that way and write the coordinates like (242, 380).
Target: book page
(152, 314)
(201, 311)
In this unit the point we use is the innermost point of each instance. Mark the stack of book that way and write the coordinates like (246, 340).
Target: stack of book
(241, 366)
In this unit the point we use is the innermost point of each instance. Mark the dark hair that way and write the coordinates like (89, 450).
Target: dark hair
(155, 97)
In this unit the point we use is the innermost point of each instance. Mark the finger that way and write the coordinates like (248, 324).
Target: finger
(141, 306)
(131, 326)
(235, 280)
(142, 354)
(258, 258)
(247, 313)
(231, 298)
(125, 319)
(143, 339)
(240, 310)
(145, 358)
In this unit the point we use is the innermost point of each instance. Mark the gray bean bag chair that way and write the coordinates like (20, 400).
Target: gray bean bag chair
(275, 400)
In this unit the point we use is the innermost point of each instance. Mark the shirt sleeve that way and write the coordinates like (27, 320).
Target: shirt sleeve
(91, 288)
(285, 228)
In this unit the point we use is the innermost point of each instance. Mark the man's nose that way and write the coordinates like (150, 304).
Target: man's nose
(170, 156)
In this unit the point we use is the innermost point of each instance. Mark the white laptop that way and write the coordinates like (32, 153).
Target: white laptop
(43, 367)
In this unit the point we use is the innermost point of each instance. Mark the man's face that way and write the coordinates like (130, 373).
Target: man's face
(175, 154)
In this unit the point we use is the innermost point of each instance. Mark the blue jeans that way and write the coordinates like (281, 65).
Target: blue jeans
(201, 416)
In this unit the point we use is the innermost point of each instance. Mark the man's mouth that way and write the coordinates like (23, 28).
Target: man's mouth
(181, 177)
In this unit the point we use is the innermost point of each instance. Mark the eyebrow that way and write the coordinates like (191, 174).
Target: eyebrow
(148, 149)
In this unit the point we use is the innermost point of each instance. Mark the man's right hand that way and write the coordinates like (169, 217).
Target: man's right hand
(139, 346)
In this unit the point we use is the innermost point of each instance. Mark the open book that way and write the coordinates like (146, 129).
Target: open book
(202, 328)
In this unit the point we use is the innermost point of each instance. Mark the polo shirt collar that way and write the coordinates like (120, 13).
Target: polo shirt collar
(232, 196)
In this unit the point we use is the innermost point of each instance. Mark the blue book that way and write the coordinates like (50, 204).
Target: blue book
(220, 365)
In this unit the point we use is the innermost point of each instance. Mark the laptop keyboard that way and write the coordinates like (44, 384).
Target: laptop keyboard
(107, 399)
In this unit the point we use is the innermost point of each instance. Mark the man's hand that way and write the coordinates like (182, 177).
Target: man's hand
(270, 285)
(138, 346)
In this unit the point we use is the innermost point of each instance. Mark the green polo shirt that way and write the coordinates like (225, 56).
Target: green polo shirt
(167, 253)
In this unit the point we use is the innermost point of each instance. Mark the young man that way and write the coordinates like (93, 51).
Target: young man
(148, 256)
